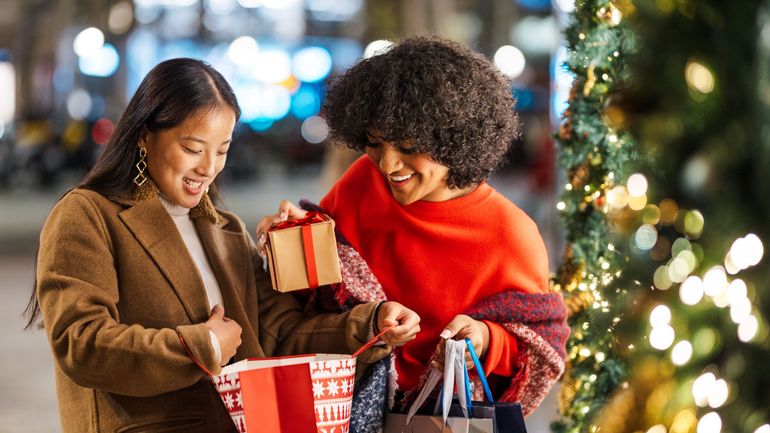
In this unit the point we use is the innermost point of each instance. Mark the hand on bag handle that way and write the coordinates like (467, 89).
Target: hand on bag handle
(403, 323)
(371, 342)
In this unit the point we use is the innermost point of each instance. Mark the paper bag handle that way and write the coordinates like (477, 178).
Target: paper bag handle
(480, 370)
(371, 342)
(360, 350)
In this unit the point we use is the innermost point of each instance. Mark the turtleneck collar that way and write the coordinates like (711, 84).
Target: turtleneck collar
(173, 208)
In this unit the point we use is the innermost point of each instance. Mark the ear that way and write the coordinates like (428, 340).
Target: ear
(144, 137)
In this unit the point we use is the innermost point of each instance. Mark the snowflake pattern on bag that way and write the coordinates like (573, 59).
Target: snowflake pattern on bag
(229, 387)
(332, 383)
(333, 394)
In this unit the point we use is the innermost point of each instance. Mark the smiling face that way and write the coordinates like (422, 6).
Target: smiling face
(411, 176)
(184, 160)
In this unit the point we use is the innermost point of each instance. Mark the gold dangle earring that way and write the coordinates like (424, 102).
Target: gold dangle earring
(141, 166)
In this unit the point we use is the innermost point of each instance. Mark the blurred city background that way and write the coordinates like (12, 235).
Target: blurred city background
(67, 69)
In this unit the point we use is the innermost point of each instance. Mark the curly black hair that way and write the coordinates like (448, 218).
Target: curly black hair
(453, 103)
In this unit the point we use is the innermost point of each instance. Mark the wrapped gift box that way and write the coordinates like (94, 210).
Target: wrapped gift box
(302, 253)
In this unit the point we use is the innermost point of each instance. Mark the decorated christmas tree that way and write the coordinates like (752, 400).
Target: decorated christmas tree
(675, 295)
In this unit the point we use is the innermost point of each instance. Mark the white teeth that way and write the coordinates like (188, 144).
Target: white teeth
(401, 178)
(192, 184)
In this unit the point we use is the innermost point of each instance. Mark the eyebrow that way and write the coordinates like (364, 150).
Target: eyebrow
(200, 140)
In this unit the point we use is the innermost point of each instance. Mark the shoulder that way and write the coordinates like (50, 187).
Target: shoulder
(501, 209)
(82, 202)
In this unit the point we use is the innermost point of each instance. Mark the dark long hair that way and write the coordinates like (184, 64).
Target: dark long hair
(170, 93)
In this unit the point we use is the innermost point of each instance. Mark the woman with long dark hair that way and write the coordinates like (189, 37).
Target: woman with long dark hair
(136, 259)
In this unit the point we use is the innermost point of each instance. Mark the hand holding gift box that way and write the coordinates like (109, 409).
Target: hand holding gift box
(302, 253)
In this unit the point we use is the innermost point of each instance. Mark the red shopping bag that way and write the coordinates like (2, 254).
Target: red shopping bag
(293, 394)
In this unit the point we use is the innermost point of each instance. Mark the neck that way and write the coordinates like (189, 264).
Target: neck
(173, 208)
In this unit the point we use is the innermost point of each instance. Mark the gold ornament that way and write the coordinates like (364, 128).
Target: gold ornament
(577, 301)
(590, 81)
(568, 391)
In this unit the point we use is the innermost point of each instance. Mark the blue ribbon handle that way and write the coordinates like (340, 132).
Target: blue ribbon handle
(480, 370)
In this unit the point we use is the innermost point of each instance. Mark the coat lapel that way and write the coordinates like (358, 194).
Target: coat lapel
(152, 226)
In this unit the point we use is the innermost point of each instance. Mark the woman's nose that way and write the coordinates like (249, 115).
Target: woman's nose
(390, 160)
(208, 163)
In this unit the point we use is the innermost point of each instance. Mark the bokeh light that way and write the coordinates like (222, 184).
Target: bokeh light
(510, 60)
(121, 17)
(646, 236)
(710, 423)
(719, 394)
(702, 387)
(312, 64)
(243, 51)
(691, 291)
(79, 104)
(102, 130)
(699, 77)
(660, 316)
(314, 129)
(748, 328)
(377, 47)
(88, 42)
(661, 337)
(103, 63)
(681, 353)
(271, 66)
(637, 185)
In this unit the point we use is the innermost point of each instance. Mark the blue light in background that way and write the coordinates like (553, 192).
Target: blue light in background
(261, 124)
(312, 64)
(525, 98)
(103, 63)
(535, 5)
(276, 102)
(306, 102)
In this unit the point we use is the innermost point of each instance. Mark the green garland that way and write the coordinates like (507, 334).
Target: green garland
(595, 152)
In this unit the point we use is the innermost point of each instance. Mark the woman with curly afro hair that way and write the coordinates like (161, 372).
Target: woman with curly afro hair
(418, 223)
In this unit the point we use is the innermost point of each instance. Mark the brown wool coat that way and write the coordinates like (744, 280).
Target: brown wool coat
(116, 284)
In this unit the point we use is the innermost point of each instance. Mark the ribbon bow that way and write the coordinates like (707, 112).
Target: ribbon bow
(310, 218)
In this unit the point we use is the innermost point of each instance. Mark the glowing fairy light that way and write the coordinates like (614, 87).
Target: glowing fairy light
(637, 185)
(658, 428)
(715, 281)
(661, 279)
(88, 42)
(740, 310)
(561, 205)
(747, 330)
(763, 429)
(661, 337)
(617, 197)
(681, 353)
(736, 291)
(719, 394)
(710, 423)
(702, 387)
(699, 77)
(746, 251)
(646, 236)
(660, 316)
(678, 269)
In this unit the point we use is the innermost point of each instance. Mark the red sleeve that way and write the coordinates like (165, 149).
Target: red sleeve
(502, 351)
